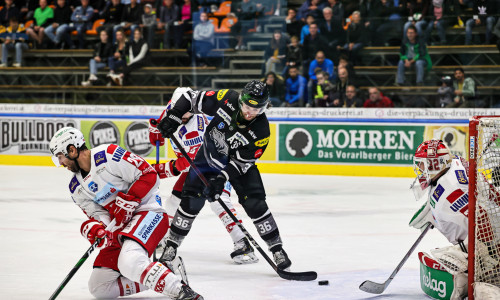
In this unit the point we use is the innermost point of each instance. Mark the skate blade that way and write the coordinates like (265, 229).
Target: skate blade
(245, 259)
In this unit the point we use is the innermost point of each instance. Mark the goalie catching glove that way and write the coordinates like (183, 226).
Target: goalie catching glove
(93, 230)
(422, 217)
(124, 208)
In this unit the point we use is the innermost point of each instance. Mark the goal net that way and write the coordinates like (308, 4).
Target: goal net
(484, 201)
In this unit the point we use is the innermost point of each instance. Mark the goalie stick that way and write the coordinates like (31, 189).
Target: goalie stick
(299, 276)
(79, 264)
(378, 288)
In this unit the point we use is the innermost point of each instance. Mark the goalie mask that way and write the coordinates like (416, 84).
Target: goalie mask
(64, 138)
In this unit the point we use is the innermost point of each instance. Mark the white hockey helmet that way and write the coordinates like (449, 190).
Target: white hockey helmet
(431, 157)
(62, 139)
(177, 94)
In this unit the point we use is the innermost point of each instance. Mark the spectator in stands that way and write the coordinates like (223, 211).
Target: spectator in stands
(296, 87)
(43, 18)
(344, 63)
(321, 93)
(439, 10)
(323, 64)
(391, 29)
(484, 12)
(293, 55)
(276, 88)
(377, 99)
(82, 20)
(131, 18)
(370, 14)
(275, 54)
(27, 10)
(293, 25)
(102, 51)
(14, 37)
(313, 43)
(203, 40)
(247, 12)
(332, 30)
(338, 10)
(112, 15)
(169, 16)
(8, 11)
(464, 90)
(148, 24)
(417, 15)
(138, 56)
(413, 53)
(185, 24)
(445, 91)
(356, 38)
(305, 29)
(342, 83)
(59, 31)
(309, 8)
(118, 59)
(348, 99)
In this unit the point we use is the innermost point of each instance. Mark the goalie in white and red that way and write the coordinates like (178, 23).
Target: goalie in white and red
(442, 182)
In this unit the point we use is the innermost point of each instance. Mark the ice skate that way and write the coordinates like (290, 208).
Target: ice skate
(168, 254)
(187, 293)
(243, 252)
(281, 259)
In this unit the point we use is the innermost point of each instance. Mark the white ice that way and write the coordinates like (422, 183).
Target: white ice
(348, 229)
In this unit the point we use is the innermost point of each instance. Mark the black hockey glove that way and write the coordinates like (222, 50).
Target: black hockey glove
(216, 186)
(170, 123)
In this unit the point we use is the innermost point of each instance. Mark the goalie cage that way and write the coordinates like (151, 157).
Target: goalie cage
(484, 201)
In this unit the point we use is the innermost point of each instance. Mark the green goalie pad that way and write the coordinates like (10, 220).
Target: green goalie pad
(434, 280)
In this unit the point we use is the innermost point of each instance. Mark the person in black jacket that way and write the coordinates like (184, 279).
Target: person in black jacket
(332, 30)
(9, 10)
(59, 31)
(112, 14)
(234, 140)
(138, 55)
(313, 42)
(103, 50)
(356, 35)
(484, 11)
(131, 18)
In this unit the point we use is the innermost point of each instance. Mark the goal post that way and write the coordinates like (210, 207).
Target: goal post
(484, 201)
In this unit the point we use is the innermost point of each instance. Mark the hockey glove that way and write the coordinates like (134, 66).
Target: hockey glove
(154, 133)
(124, 208)
(422, 217)
(216, 186)
(181, 164)
(93, 230)
(166, 170)
(170, 123)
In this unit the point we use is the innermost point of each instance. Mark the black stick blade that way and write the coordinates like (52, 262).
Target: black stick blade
(372, 287)
(297, 276)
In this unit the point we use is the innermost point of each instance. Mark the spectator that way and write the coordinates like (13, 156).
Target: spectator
(112, 14)
(445, 91)
(82, 19)
(276, 88)
(28, 9)
(337, 10)
(417, 16)
(323, 89)
(131, 18)
(323, 64)
(344, 63)
(439, 11)
(413, 52)
(118, 59)
(349, 99)
(341, 85)
(313, 43)
(355, 37)
(8, 11)
(169, 16)
(102, 51)
(309, 8)
(377, 99)
(185, 24)
(371, 14)
(391, 12)
(293, 54)
(483, 15)
(203, 40)
(138, 56)
(293, 25)
(305, 29)
(14, 37)
(43, 18)
(247, 13)
(59, 31)
(275, 54)
(332, 30)
(148, 24)
(464, 90)
(295, 88)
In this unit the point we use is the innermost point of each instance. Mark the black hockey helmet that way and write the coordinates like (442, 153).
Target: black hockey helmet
(255, 94)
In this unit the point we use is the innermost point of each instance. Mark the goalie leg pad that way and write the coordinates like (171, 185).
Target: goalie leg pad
(452, 258)
(460, 287)
(486, 291)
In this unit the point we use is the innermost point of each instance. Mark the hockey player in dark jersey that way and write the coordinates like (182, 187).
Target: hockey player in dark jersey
(234, 140)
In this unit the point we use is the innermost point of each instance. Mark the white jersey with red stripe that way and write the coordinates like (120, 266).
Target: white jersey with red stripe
(112, 170)
(449, 200)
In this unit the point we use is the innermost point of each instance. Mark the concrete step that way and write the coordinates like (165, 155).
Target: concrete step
(246, 64)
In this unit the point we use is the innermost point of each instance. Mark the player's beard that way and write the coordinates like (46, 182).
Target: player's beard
(73, 166)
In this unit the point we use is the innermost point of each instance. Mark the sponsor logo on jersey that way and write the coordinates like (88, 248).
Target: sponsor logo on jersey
(193, 138)
(237, 139)
(99, 158)
(210, 93)
(119, 152)
(147, 226)
(262, 143)
(258, 153)
(231, 107)
(433, 284)
(93, 187)
(201, 123)
(461, 177)
(73, 184)
(252, 134)
(459, 200)
(158, 199)
(99, 171)
(221, 125)
(253, 102)
(182, 131)
(105, 194)
(438, 192)
(224, 116)
(221, 94)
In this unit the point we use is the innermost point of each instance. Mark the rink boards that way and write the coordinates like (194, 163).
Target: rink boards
(330, 141)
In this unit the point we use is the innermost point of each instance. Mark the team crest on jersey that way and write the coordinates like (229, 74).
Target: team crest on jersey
(221, 94)
(438, 192)
(221, 125)
(224, 116)
(219, 141)
(262, 143)
(201, 123)
(99, 158)
(105, 193)
(461, 177)
(73, 184)
(93, 187)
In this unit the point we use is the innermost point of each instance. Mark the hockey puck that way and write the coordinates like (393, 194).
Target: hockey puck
(323, 282)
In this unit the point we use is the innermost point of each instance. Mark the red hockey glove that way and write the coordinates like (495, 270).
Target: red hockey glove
(124, 208)
(93, 230)
(166, 170)
(154, 133)
(181, 164)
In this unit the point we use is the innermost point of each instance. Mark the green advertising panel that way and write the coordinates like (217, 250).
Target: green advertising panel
(131, 135)
(347, 143)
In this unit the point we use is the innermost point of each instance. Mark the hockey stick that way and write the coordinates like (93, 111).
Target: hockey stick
(378, 288)
(79, 264)
(157, 162)
(300, 276)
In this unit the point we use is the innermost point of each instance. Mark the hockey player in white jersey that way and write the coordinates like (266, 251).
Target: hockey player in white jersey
(190, 134)
(442, 182)
(112, 185)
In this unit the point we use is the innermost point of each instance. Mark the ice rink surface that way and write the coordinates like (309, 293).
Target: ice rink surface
(348, 229)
